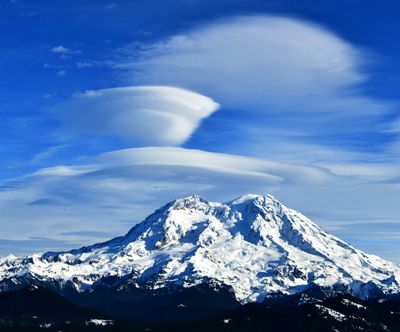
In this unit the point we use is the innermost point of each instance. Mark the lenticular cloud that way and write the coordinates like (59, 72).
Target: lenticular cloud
(263, 63)
(143, 115)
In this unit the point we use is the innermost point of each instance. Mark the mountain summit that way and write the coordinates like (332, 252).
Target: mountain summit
(253, 245)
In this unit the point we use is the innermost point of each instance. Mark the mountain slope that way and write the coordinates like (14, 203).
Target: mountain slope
(253, 245)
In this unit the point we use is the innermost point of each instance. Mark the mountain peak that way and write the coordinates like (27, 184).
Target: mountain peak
(254, 245)
(196, 202)
(256, 204)
(192, 201)
(264, 199)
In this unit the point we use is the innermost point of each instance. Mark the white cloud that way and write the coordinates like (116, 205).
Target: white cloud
(143, 115)
(275, 172)
(265, 63)
(64, 52)
(60, 49)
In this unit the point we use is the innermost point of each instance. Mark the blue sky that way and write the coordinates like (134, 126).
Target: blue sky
(110, 109)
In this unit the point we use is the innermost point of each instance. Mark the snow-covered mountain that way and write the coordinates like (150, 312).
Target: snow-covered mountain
(253, 245)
